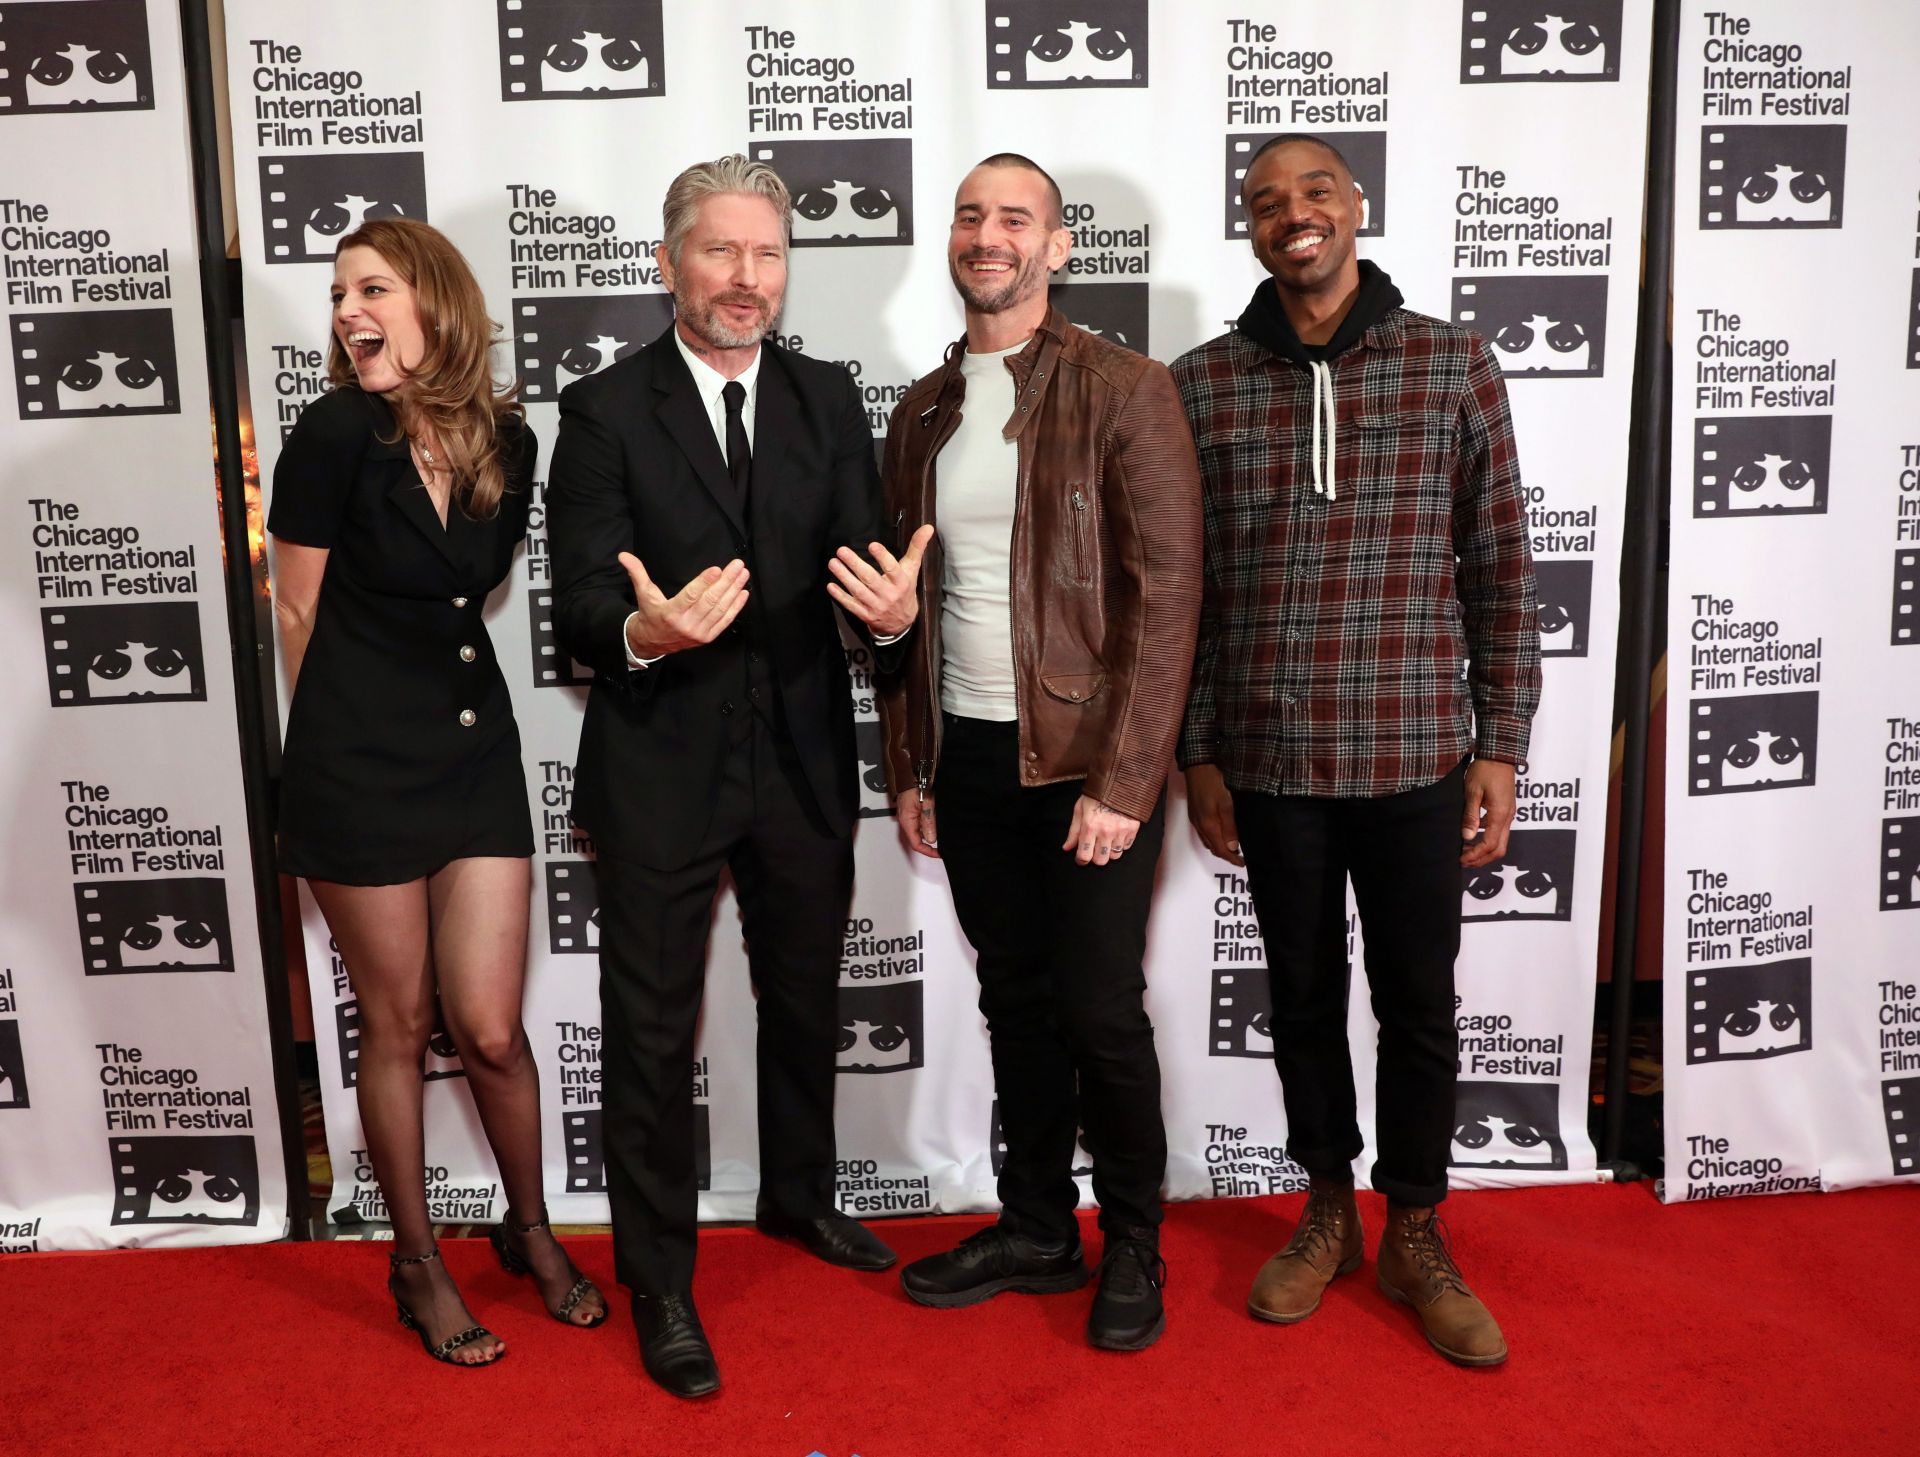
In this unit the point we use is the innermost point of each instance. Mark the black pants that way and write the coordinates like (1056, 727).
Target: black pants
(1059, 948)
(1403, 852)
(794, 878)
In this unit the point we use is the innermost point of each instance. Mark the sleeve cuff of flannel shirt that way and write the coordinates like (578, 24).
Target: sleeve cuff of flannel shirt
(1503, 740)
(1190, 752)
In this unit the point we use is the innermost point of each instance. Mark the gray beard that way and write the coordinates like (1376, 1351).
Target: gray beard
(709, 328)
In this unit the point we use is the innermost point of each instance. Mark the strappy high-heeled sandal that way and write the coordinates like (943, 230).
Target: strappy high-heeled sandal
(458, 1341)
(514, 1263)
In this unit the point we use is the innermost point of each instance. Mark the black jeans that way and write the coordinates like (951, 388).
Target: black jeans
(1403, 852)
(1059, 948)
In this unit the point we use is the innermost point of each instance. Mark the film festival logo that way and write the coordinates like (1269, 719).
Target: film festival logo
(1906, 597)
(1897, 1099)
(1566, 606)
(442, 1058)
(851, 194)
(1533, 881)
(573, 908)
(882, 1028)
(308, 204)
(1366, 154)
(553, 665)
(1541, 327)
(72, 366)
(1540, 40)
(580, 1135)
(1059, 45)
(1761, 465)
(869, 742)
(1116, 312)
(581, 50)
(559, 340)
(90, 56)
(1754, 742)
(186, 1179)
(1900, 864)
(1739, 1013)
(1241, 1023)
(135, 926)
(997, 1147)
(1507, 1126)
(132, 652)
(13, 1068)
(1772, 176)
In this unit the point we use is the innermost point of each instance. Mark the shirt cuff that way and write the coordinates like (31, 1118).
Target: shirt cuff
(1504, 739)
(634, 662)
(887, 642)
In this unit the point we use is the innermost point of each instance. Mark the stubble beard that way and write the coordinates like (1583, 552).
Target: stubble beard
(985, 298)
(704, 320)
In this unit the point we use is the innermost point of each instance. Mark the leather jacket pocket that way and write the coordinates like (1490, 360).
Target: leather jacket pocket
(1074, 687)
(1081, 531)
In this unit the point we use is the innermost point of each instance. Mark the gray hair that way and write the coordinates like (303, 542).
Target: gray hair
(733, 173)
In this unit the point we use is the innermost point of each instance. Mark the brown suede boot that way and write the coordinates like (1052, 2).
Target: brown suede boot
(1417, 1269)
(1326, 1242)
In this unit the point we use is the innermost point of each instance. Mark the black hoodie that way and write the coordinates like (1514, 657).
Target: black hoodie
(1266, 323)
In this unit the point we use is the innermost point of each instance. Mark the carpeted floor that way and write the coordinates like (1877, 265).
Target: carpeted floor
(1747, 1326)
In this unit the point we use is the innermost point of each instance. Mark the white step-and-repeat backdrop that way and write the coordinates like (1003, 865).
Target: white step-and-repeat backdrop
(1501, 147)
(136, 1077)
(1793, 782)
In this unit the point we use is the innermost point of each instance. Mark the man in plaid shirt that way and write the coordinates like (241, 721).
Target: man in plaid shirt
(1368, 667)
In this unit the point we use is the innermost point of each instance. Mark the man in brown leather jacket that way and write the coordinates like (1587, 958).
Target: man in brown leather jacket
(1044, 684)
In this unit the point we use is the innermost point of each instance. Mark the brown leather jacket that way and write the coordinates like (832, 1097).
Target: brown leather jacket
(1106, 566)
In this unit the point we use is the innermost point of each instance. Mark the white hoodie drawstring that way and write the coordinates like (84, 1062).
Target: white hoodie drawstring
(1322, 378)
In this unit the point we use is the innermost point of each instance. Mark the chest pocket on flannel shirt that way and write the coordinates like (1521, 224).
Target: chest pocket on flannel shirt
(1409, 451)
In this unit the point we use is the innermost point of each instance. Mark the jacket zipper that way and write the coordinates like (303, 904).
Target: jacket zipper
(1079, 535)
(930, 735)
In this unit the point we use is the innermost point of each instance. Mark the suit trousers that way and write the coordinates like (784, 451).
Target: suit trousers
(1059, 950)
(1403, 853)
(794, 879)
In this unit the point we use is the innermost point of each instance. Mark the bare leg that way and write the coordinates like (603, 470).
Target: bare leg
(381, 931)
(479, 920)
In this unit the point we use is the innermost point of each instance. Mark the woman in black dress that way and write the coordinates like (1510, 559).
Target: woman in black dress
(397, 504)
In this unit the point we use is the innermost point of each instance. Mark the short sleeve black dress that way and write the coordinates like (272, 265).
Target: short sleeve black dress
(401, 750)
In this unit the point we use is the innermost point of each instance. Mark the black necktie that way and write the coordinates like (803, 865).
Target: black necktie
(739, 453)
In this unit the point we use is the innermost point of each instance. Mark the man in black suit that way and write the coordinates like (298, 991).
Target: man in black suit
(719, 730)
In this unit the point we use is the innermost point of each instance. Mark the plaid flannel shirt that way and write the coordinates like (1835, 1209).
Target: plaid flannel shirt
(1360, 646)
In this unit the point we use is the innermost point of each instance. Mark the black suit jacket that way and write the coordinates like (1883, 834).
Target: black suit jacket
(637, 468)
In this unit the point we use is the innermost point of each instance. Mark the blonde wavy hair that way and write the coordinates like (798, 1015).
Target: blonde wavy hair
(451, 391)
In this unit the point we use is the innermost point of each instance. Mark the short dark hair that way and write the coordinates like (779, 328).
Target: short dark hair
(1015, 159)
(1287, 139)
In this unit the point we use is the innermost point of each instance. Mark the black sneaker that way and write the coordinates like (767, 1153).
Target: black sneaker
(1127, 1313)
(991, 1261)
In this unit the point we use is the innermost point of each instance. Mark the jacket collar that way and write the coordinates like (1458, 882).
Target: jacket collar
(1033, 370)
(684, 416)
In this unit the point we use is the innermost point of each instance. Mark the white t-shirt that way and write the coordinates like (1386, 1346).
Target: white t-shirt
(977, 473)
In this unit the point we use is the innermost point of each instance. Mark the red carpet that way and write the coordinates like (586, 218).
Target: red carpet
(1750, 1326)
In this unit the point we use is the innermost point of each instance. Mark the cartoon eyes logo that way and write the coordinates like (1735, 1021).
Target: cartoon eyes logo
(1762, 1026)
(1556, 624)
(1508, 889)
(79, 75)
(594, 355)
(1105, 54)
(861, 212)
(1492, 1139)
(1259, 1036)
(874, 1045)
(108, 381)
(1553, 45)
(1540, 344)
(168, 941)
(591, 61)
(1784, 193)
(1762, 757)
(194, 1194)
(138, 670)
(1771, 483)
(331, 220)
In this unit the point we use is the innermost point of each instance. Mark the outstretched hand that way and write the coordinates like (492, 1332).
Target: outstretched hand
(885, 599)
(695, 615)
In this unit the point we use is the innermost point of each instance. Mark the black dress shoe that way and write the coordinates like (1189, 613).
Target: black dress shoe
(1127, 1312)
(993, 1260)
(833, 1236)
(673, 1347)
